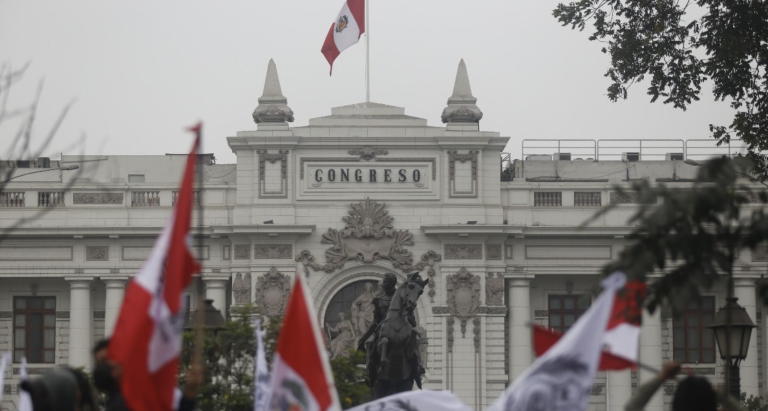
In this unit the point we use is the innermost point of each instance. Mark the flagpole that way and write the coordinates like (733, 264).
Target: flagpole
(367, 55)
(197, 358)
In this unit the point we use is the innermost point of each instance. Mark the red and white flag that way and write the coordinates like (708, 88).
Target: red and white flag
(562, 378)
(301, 374)
(345, 31)
(148, 334)
(621, 345)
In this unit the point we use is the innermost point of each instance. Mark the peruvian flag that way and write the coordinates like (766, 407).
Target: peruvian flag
(621, 343)
(301, 374)
(562, 378)
(345, 31)
(147, 337)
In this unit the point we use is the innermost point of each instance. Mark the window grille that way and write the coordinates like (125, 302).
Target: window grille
(195, 198)
(12, 199)
(692, 341)
(564, 310)
(145, 199)
(587, 199)
(548, 199)
(34, 329)
(50, 199)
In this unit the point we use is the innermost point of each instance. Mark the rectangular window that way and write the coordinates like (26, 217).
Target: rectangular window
(34, 329)
(587, 199)
(564, 310)
(547, 199)
(693, 342)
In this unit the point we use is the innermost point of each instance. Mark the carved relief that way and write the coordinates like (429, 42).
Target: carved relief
(463, 251)
(99, 315)
(367, 153)
(97, 198)
(476, 332)
(494, 289)
(242, 252)
(282, 157)
(241, 288)
(429, 259)
(367, 237)
(463, 289)
(493, 251)
(760, 253)
(453, 157)
(272, 290)
(269, 251)
(97, 253)
(597, 389)
(423, 345)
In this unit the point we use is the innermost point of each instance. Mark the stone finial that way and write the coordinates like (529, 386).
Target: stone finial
(273, 106)
(461, 105)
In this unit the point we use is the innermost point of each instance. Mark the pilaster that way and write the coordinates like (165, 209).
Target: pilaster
(519, 305)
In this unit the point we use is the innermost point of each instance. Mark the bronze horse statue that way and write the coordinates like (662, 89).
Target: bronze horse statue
(395, 364)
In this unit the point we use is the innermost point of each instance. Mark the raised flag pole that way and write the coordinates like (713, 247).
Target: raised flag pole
(367, 55)
(197, 354)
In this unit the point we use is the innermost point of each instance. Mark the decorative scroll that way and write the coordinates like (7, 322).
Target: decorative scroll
(493, 251)
(98, 198)
(367, 153)
(463, 251)
(97, 253)
(272, 291)
(270, 251)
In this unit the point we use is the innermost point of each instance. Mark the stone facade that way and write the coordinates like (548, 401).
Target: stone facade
(365, 191)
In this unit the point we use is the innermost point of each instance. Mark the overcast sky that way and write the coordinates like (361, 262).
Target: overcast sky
(143, 70)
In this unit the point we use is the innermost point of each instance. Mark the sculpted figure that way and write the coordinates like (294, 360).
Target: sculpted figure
(363, 310)
(345, 337)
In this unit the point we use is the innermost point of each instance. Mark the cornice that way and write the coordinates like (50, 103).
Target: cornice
(264, 229)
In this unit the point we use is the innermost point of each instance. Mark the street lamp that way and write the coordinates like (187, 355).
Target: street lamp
(733, 328)
(65, 168)
(212, 318)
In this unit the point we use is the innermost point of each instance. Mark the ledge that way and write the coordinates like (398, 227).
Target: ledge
(521, 230)
(265, 229)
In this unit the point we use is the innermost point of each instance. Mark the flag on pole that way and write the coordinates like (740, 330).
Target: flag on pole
(25, 400)
(345, 30)
(416, 400)
(562, 378)
(3, 363)
(621, 346)
(261, 372)
(301, 374)
(148, 333)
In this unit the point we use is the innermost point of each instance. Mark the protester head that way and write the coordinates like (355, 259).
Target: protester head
(106, 373)
(60, 389)
(694, 394)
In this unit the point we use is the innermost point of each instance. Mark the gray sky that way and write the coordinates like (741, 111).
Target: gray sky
(143, 70)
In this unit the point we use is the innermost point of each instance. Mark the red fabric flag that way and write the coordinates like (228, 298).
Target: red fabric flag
(147, 337)
(345, 30)
(622, 336)
(301, 374)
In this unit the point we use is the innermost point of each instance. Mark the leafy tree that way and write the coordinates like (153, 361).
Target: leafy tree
(679, 45)
(693, 234)
(753, 403)
(350, 379)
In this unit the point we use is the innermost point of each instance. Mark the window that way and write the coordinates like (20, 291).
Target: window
(693, 342)
(587, 199)
(564, 310)
(34, 329)
(547, 199)
(135, 178)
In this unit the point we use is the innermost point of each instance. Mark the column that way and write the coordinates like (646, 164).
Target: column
(519, 305)
(216, 290)
(744, 290)
(114, 300)
(650, 354)
(80, 322)
(619, 389)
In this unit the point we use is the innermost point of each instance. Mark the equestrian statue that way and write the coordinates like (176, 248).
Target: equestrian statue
(392, 357)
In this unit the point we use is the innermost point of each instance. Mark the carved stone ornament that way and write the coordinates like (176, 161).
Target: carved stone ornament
(597, 389)
(97, 253)
(97, 198)
(281, 156)
(760, 253)
(493, 251)
(462, 107)
(242, 252)
(463, 289)
(273, 106)
(367, 237)
(494, 289)
(423, 345)
(454, 156)
(241, 288)
(430, 258)
(272, 290)
(368, 153)
(463, 251)
(270, 251)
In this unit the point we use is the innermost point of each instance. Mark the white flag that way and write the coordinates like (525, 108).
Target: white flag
(416, 400)
(25, 400)
(562, 378)
(3, 364)
(261, 372)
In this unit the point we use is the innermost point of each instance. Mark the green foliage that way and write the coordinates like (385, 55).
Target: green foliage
(229, 358)
(753, 403)
(693, 234)
(350, 379)
(678, 46)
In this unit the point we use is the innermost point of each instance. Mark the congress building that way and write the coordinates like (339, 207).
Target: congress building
(364, 191)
